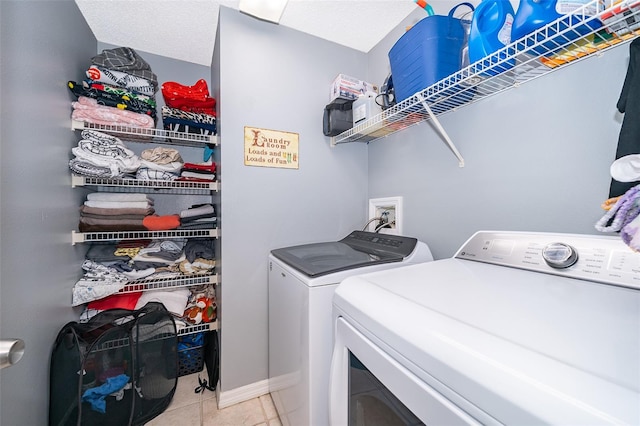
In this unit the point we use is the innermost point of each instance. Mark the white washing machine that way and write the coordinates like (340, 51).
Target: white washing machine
(302, 280)
(516, 329)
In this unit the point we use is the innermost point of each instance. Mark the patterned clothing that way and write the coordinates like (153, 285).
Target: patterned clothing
(127, 60)
(122, 79)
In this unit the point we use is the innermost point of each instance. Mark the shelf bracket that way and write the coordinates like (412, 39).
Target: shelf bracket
(443, 132)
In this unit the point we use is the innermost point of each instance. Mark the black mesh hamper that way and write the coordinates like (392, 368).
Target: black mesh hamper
(119, 368)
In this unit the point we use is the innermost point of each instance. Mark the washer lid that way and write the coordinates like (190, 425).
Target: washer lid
(357, 250)
(525, 347)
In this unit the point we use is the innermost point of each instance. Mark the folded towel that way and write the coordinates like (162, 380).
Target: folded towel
(118, 196)
(161, 223)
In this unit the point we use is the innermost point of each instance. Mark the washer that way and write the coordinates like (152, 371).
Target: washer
(302, 281)
(516, 328)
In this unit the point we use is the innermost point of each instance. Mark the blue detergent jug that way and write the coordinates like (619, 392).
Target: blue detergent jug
(491, 31)
(531, 15)
(534, 14)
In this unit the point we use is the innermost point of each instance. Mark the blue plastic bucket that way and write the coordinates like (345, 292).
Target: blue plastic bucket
(427, 53)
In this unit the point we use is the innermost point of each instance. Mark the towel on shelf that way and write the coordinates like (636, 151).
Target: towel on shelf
(126, 59)
(88, 110)
(161, 223)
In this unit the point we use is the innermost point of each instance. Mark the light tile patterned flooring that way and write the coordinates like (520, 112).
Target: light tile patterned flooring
(191, 409)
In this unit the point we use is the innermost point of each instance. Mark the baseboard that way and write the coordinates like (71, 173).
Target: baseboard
(241, 394)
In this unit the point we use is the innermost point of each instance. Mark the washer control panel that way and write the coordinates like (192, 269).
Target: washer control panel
(605, 259)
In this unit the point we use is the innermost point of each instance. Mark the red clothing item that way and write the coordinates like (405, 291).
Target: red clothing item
(118, 300)
(161, 223)
(189, 98)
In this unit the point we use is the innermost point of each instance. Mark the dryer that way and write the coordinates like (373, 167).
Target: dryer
(516, 328)
(302, 281)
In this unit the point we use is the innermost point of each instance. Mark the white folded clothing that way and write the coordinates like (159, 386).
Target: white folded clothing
(174, 300)
(118, 196)
(197, 211)
(173, 167)
(118, 204)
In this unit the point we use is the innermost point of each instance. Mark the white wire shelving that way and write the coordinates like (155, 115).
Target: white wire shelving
(123, 184)
(160, 335)
(137, 134)
(85, 237)
(169, 283)
(571, 38)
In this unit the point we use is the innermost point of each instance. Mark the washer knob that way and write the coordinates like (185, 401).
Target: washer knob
(559, 255)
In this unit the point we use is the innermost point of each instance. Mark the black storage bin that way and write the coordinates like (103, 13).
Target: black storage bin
(190, 354)
(137, 349)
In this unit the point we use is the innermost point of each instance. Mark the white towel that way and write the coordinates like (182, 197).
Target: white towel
(175, 301)
(118, 196)
(118, 204)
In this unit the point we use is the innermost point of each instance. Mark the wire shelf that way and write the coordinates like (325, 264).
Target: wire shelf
(143, 135)
(569, 39)
(191, 329)
(83, 237)
(172, 186)
(169, 283)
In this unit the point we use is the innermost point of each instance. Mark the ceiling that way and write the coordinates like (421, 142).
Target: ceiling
(186, 29)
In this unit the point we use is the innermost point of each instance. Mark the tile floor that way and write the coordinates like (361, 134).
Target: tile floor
(190, 409)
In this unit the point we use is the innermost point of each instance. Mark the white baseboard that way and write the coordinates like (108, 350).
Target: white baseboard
(241, 394)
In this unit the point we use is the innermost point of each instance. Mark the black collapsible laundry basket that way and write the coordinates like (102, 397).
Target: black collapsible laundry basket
(91, 361)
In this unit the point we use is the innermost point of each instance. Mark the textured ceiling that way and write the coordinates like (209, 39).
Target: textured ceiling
(186, 29)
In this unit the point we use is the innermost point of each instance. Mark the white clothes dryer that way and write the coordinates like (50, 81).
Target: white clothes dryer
(302, 281)
(515, 329)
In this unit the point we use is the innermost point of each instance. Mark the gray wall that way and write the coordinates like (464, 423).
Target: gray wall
(43, 45)
(276, 78)
(537, 158)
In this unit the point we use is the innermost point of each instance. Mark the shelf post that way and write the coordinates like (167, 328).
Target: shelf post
(443, 132)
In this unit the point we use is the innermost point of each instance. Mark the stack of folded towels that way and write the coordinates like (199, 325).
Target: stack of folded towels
(119, 90)
(188, 109)
(113, 211)
(199, 172)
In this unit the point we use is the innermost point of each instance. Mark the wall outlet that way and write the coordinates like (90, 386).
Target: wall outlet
(389, 210)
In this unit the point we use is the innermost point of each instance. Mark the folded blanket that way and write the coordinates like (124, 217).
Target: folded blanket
(112, 221)
(84, 209)
(127, 60)
(87, 168)
(195, 117)
(87, 109)
(207, 167)
(173, 167)
(82, 227)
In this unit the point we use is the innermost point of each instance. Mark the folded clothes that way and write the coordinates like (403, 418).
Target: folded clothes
(173, 167)
(119, 196)
(188, 126)
(198, 175)
(113, 221)
(118, 204)
(145, 173)
(120, 227)
(199, 210)
(127, 60)
(161, 155)
(88, 110)
(206, 167)
(195, 117)
(161, 223)
(194, 98)
(120, 91)
(84, 209)
(87, 168)
(112, 99)
(122, 79)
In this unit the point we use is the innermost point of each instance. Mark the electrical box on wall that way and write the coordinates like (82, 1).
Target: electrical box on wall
(385, 215)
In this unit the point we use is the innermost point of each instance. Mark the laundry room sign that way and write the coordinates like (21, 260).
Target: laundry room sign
(270, 148)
